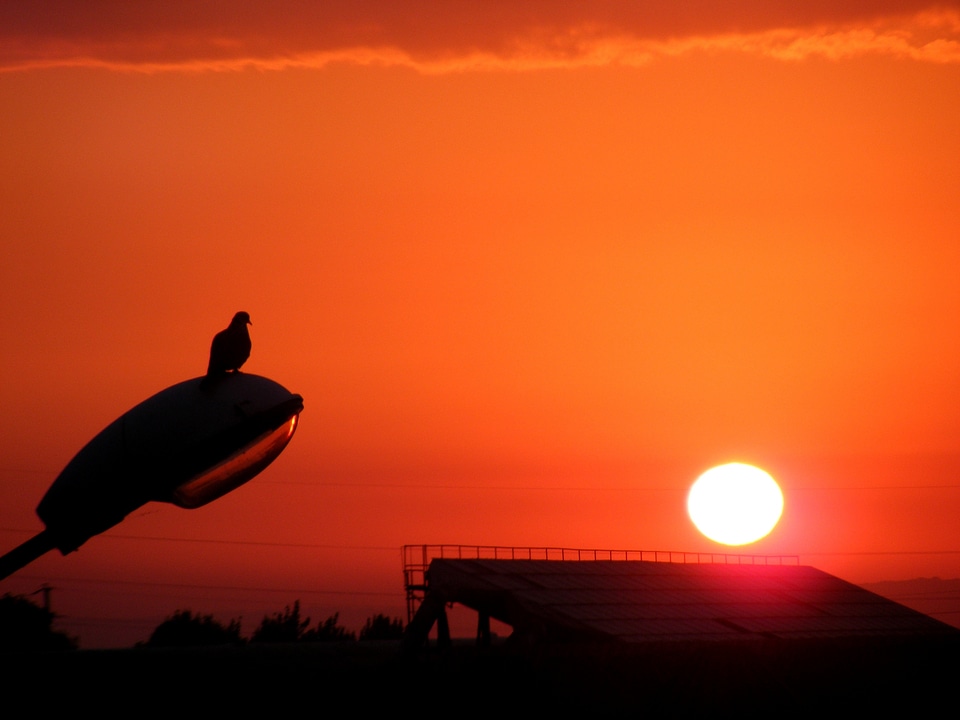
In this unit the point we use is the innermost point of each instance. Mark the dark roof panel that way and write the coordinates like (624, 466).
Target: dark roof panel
(642, 601)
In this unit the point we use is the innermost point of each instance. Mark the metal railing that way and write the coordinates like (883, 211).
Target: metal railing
(417, 558)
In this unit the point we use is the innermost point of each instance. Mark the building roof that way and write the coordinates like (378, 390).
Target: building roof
(635, 601)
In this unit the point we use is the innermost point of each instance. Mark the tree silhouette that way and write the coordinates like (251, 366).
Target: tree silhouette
(381, 627)
(328, 631)
(183, 629)
(26, 626)
(282, 627)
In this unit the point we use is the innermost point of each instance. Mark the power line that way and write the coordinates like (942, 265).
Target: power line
(216, 541)
(865, 553)
(526, 488)
(390, 548)
(229, 588)
(577, 488)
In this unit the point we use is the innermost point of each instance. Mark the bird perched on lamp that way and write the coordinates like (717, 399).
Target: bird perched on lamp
(231, 347)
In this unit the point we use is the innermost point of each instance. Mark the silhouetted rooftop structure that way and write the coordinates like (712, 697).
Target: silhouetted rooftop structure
(645, 597)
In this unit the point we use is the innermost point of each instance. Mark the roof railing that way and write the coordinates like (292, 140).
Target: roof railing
(417, 559)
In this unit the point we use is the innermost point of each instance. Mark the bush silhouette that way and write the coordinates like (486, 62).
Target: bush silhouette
(26, 626)
(183, 629)
(287, 626)
(282, 627)
(381, 627)
(328, 631)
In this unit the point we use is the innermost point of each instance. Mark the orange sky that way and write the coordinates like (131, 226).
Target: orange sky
(532, 266)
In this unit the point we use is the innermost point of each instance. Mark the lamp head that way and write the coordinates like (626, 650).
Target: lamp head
(186, 445)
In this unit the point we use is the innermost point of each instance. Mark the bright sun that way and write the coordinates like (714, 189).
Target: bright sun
(735, 504)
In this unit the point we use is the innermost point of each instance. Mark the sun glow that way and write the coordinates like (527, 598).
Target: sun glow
(735, 504)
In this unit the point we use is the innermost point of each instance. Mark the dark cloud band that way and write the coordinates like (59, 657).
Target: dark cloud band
(216, 34)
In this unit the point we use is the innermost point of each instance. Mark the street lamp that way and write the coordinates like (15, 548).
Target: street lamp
(186, 445)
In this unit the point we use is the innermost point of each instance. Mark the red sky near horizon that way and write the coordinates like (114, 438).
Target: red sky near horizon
(532, 266)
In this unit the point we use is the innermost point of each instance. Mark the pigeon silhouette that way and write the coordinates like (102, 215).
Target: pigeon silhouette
(231, 347)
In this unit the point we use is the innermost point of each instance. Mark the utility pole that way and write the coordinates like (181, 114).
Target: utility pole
(46, 590)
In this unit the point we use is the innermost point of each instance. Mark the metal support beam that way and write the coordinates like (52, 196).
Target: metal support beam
(483, 629)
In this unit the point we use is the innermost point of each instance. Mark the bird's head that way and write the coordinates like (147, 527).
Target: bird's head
(241, 318)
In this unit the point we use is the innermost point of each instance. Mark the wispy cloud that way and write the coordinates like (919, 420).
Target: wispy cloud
(461, 35)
